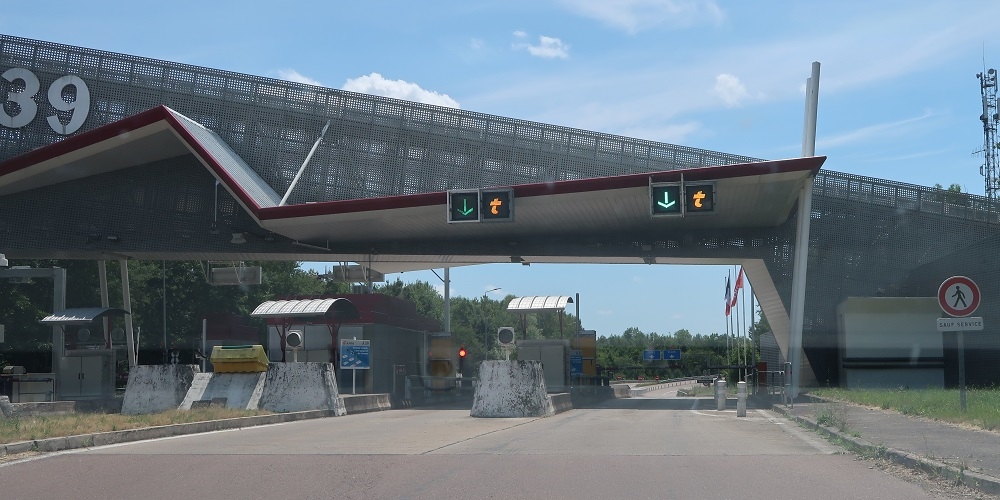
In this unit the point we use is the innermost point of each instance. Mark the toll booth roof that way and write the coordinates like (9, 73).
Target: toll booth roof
(338, 309)
(81, 316)
(539, 303)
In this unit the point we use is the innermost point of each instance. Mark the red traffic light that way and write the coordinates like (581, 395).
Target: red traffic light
(462, 352)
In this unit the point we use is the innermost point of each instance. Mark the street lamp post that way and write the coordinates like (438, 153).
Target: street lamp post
(486, 330)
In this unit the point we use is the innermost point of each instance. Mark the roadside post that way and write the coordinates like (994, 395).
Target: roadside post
(741, 399)
(720, 394)
(959, 297)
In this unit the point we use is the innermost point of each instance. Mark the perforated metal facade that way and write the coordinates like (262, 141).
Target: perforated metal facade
(869, 237)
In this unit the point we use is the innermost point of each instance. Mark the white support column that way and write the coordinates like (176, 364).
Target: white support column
(102, 275)
(133, 360)
(58, 304)
(797, 312)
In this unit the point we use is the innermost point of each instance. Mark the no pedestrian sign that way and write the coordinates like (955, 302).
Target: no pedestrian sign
(958, 296)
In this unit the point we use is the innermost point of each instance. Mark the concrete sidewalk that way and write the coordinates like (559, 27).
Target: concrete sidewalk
(971, 456)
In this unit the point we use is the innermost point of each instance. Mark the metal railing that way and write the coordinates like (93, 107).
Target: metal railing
(776, 383)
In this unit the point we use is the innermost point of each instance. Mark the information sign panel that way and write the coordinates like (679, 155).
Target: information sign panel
(967, 324)
(672, 354)
(497, 205)
(665, 199)
(699, 198)
(575, 363)
(463, 206)
(651, 355)
(355, 354)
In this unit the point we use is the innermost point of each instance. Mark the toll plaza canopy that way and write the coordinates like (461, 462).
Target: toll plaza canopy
(758, 194)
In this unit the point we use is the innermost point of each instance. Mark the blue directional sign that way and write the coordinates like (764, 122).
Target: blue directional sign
(575, 363)
(651, 355)
(355, 354)
(672, 354)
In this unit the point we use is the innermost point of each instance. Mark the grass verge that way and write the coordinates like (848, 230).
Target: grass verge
(29, 428)
(982, 405)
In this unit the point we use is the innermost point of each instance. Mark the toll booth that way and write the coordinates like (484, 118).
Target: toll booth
(398, 339)
(554, 355)
(86, 352)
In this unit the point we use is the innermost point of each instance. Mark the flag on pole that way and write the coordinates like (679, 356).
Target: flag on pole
(737, 287)
(728, 296)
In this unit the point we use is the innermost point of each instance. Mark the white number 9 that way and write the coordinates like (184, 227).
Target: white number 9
(80, 107)
(24, 99)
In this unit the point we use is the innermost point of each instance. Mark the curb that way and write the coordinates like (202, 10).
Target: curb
(975, 480)
(145, 433)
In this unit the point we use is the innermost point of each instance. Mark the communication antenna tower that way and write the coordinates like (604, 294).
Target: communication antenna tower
(988, 89)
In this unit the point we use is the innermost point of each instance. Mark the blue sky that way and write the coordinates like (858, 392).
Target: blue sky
(899, 97)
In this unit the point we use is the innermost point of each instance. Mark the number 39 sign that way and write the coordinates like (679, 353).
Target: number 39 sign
(57, 93)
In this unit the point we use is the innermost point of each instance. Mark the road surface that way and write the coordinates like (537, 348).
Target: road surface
(656, 446)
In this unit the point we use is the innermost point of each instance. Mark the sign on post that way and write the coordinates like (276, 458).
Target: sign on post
(355, 355)
(959, 297)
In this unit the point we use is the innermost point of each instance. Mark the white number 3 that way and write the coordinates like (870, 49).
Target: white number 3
(25, 99)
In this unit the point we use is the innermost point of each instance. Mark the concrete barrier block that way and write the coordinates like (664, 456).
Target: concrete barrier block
(6, 410)
(241, 390)
(363, 403)
(511, 389)
(562, 402)
(293, 387)
(156, 388)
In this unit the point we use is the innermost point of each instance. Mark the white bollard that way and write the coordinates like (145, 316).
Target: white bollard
(741, 399)
(720, 394)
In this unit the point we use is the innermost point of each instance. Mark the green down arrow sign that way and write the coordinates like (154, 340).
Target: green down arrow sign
(665, 199)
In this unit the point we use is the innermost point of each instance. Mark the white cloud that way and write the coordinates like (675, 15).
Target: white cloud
(376, 84)
(294, 76)
(547, 48)
(730, 89)
(476, 43)
(637, 15)
(874, 132)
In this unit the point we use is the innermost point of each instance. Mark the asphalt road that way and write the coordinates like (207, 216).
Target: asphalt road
(657, 446)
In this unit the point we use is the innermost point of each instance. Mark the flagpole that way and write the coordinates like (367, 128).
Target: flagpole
(729, 354)
(743, 325)
(727, 318)
(738, 331)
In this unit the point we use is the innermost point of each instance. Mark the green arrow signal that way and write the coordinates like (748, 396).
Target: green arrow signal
(466, 209)
(666, 203)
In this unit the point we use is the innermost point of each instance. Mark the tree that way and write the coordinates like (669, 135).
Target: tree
(952, 195)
